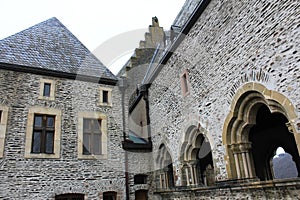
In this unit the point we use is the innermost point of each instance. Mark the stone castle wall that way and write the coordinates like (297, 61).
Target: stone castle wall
(232, 43)
(34, 178)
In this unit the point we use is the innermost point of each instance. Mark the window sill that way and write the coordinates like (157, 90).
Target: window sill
(105, 104)
(46, 98)
(92, 157)
(41, 155)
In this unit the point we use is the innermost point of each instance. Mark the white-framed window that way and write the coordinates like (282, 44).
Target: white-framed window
(92, 135)
(3, 125)
(47, 89)
(185, 85)
(43, 133)
(105, 96)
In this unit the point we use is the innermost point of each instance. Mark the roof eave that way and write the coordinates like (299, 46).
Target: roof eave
(58, 74)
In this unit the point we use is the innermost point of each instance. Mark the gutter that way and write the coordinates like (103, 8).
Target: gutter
(58, 74)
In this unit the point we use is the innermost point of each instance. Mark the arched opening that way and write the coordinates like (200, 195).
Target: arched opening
(165, 168)
(269, 133)
(197, 162)
(260, 121)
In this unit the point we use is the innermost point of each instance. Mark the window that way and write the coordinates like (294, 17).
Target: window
(69, 197)
(92, 135)
(140, 179)
(47, 89)
(3, 124)
(43, 133)
(109, 196)
(185, 83)
(105, 97)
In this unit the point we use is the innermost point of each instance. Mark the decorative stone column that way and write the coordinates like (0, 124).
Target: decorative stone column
(194, 172)
(236, 151)
(247, 162)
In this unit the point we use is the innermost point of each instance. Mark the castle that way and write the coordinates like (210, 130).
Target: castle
(198, 112)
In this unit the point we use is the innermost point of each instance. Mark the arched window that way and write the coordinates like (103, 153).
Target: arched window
(256, 126)
(197, 163)
(165, 168)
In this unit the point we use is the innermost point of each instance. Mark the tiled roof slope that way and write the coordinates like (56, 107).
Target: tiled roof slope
(49, 45)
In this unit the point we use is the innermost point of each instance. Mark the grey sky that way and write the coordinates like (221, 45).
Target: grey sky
(92, 21)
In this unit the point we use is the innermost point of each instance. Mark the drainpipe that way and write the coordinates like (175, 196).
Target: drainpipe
(122, 87)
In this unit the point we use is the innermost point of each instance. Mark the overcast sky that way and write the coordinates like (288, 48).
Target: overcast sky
(93, 22)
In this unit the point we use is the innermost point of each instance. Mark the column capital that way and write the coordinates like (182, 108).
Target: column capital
(245, 147)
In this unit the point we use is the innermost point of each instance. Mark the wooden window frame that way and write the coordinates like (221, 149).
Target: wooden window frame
(32, 112)
(44, 129)
(97, 116)
(93, 133)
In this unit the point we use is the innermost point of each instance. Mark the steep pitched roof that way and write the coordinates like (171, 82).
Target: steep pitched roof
(50, 46)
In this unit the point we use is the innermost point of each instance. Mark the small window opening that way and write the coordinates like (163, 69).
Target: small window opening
(0, 115)
(140, 179)
(105, 96)
(184, 84)
(283, 165)
(47, 88)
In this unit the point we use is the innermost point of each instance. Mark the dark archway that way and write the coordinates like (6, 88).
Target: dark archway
(197, 161)
(269, 133)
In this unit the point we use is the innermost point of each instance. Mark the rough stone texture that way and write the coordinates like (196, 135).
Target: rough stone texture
(232, 43)
(44, 178)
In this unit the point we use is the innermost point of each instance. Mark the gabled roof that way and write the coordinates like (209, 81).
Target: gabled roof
(50, 47)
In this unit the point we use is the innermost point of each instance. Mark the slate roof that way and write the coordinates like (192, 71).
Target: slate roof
(50, 46)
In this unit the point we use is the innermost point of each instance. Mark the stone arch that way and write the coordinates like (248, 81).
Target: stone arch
(164, 166)
(252, 102)
(195, 157)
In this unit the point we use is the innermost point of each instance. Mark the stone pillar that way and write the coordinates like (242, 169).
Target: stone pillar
(194, 173)
(235, 150)
(187, 175)
(245, 151)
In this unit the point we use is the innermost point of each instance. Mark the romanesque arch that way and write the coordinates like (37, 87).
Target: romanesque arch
(164, 166)
(196, 158)
(260, 121)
